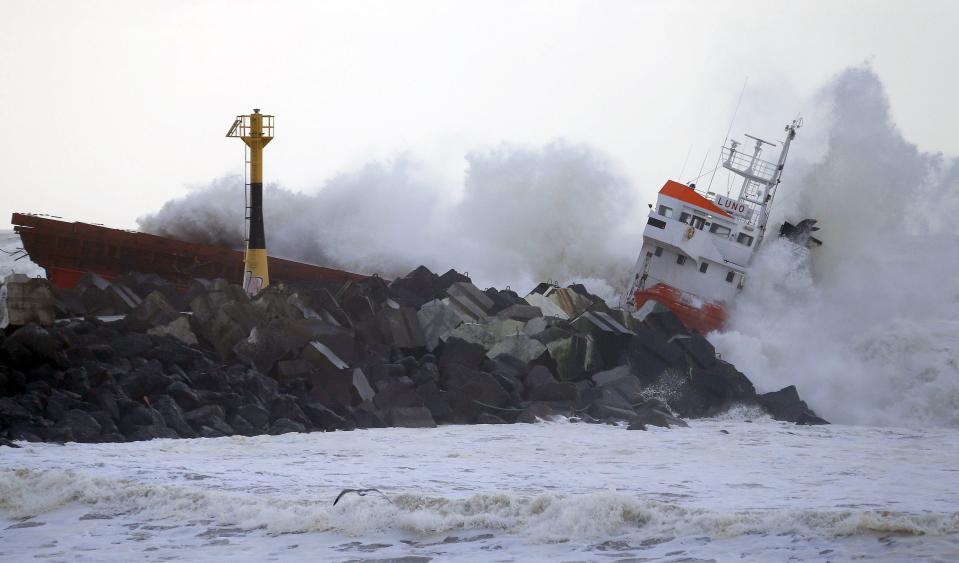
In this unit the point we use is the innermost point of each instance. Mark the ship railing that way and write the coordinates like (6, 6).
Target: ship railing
(746, 165)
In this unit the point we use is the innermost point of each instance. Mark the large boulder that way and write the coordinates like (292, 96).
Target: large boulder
(401, 328)
(786, 405)
(33, 345)
(519, 346)
(411, 417)
(654, 412)
(469, 302)
(458, 351)
(437, 318)
(153, 311)
(471, 392)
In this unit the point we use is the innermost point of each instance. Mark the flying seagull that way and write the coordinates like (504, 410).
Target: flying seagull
(360, 492)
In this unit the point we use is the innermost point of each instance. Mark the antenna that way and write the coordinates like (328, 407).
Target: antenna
(680, 177)
(728, 132)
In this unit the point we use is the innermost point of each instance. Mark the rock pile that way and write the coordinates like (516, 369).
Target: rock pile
(423, 350)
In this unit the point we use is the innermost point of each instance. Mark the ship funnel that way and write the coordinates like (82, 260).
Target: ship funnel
(256, 130)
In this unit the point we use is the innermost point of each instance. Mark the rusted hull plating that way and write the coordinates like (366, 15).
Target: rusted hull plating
(67, 250)
(704, 316)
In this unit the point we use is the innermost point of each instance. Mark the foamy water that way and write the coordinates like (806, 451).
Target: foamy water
(552, 491)
(12, 259)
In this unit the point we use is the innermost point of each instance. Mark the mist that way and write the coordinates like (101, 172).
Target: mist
(868, 328)
(518, 216)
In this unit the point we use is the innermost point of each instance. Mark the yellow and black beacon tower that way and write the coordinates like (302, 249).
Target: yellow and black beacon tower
(256, 130)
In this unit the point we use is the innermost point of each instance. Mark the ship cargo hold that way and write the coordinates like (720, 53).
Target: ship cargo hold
(67, 250)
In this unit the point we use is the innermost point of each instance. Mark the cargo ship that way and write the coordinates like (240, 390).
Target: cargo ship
(698, 245)
(68, 250)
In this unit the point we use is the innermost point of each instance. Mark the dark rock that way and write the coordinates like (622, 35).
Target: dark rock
(627, 387)
(148, 380)
(279, 339)
(655, 413)
(397, 395)
(636, 425)
(666, 323)
(172, 415)
(416, 288)
(470, 392)
(108, 427)
(649, 355)
(183, 395)
(537, 376)
(539, 410)
(325, 419)
(411, 417)
(401, 328)
(32, 345)
(786, 405)
(425, 373)
(435, 400)
(76, 379)
(256, 416)
(449, 278)
(611, 406)
(132, 345)
(700, 351)
(7, 443)
(153, 311)
(487, 418)
(286, 406)
(333, 389)
(61, 401)
(556, 391)
(367, 416)
(211, 416)
(285, 426)
(108, 398)
(241, 425)
(457, 351)
(85, 428)
(607, 334)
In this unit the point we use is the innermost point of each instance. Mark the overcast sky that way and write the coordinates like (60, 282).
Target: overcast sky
(109, 109)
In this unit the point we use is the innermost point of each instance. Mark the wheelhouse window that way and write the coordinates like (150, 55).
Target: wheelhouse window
(743, 238)
(684, 217)
(681, 259)
(730, 276)
(659, 251)
(698, 222)
(721, 230)
(703, 267)
(665, 211)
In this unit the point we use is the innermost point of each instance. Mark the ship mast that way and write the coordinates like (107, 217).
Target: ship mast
(760, 178)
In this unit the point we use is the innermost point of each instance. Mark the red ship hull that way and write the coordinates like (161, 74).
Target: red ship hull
(68, 250)
(703, 316)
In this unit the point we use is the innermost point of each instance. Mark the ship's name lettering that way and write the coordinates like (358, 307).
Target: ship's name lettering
(733, 206)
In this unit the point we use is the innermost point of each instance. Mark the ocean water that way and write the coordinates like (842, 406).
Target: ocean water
(724, 489)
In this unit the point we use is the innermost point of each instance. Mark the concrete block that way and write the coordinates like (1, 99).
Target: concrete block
(436, 319)
(25, 300)
(401, 327)
(571, 302)
(547, 306)
(467, 300)
(179, 328)
(519, 346)
(520, 312)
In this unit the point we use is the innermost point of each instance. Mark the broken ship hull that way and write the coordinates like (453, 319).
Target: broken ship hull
(696, 313)
(67, 250)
